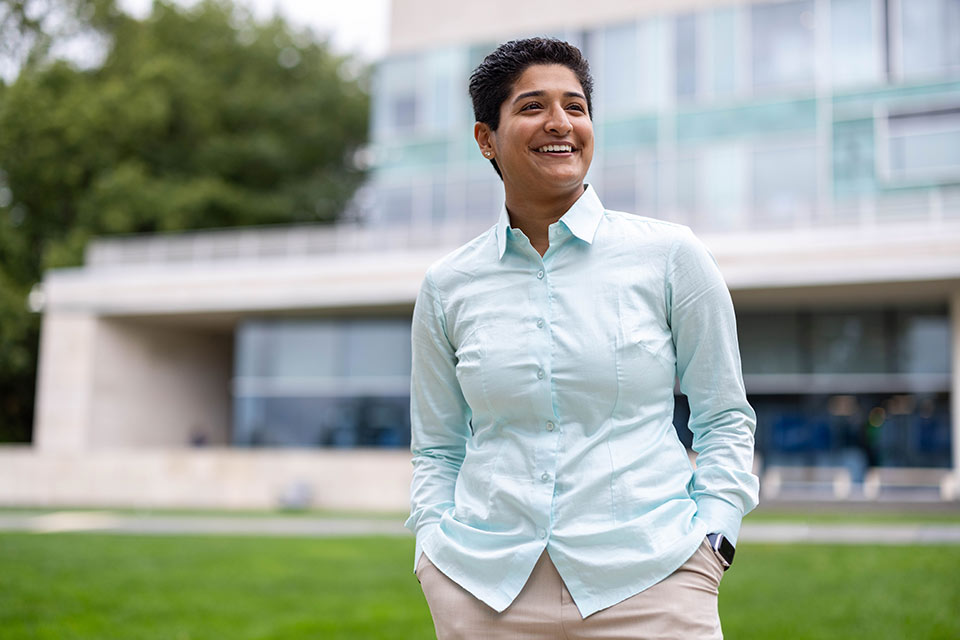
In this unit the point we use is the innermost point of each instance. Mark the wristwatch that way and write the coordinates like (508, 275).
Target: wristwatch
(723, 548)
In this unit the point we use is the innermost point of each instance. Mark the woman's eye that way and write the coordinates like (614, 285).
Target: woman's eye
(530, 105)
(577, 107)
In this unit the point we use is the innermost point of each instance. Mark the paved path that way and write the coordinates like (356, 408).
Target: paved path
(111, 522)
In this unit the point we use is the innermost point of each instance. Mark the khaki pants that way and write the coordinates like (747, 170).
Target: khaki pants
(682, 606)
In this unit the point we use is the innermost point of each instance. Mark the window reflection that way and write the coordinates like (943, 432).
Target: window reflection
(685, 56)
(924, 145)
(930, 36)
(784, 185)
(854, 44)
(782, 42)
(323, 382)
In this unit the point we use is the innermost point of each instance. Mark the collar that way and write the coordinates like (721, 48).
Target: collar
(582, 219)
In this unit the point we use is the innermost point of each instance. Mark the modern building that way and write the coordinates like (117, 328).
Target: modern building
(814, 145)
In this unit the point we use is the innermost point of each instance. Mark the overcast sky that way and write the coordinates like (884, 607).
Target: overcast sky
(356, 26)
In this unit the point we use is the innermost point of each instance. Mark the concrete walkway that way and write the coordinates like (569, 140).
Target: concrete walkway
(112, 522)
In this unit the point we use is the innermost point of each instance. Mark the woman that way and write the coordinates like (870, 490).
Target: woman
(551, 497)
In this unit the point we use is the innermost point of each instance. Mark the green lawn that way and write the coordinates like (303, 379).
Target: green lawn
(828, 513)
(71, 586)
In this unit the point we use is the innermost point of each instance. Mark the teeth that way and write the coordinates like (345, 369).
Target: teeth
(555, 147)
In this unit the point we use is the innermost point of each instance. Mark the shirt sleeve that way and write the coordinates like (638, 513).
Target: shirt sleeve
(702, 321)
(439, 416)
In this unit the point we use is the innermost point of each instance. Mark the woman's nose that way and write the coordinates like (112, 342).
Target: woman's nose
(558, 122)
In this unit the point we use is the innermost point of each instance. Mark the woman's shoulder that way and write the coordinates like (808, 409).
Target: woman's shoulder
(465, 260)
(650, 230)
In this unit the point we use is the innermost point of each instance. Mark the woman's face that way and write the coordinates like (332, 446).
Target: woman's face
(545, 139)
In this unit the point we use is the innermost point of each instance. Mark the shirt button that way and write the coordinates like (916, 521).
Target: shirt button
(540, 274)
(550, 426)
(544, 476)
(540, 323)
(540, 374)
(542, 533)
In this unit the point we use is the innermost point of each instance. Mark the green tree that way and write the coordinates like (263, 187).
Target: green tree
(196, 118)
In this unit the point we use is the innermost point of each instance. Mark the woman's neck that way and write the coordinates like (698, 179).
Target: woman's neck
(534, 215)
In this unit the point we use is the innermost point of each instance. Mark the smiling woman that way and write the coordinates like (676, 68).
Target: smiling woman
(543, 145)
(551, 496)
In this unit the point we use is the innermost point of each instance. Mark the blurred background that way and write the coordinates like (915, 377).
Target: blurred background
(215, 217)
(214, 221)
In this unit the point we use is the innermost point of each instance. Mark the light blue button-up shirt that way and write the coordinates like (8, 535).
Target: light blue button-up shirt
(542, 407)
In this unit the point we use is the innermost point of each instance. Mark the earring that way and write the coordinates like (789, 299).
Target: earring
(487, 153)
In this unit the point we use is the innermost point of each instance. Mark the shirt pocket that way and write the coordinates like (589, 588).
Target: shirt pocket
(646, 360)
(498, 369)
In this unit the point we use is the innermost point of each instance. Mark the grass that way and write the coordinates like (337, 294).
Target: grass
(826, 513)
(92, 586)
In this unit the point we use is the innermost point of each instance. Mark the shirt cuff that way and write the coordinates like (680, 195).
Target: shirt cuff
(720, 516)
(422, 534)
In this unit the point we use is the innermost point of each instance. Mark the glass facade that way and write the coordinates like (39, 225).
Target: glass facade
(854, 387)
(788, 113)
(334, 382)
(847, 388)
(737, 117)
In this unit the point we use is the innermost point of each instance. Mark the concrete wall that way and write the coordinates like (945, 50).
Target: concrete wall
(64, 381)
(354, 479)
(121, 383)
(159, 386)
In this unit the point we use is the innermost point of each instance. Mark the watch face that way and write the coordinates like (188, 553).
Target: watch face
(723, 548)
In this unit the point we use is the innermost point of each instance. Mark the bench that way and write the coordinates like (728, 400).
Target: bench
(838, 480)
(911, 478)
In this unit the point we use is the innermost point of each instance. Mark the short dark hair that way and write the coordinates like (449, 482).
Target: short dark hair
(492, 81)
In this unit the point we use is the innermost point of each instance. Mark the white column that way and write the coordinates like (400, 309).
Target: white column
(64, 381)
(955, 385)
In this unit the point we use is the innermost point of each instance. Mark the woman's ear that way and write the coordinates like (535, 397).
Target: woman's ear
(485, 139)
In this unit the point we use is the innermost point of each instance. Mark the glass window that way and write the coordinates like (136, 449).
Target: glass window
(400, 108)
(686, 183)
(923, 342)
(438, 202)
(374, 348)
(784, 184)
(648, 192)
(854, 44)
(724, 47)
(685, 56)
(619, 186)
(849, 343)
(619, 73)
(290, 349)
(929, 35)
(483, 200)
(783, 44)
(632, 73)
(769, 343)
(853, 158)
(265, 421)
(322, 382)
(723, 199)
(652, 81)
(446, 77)
(924, 145)
(395, 204)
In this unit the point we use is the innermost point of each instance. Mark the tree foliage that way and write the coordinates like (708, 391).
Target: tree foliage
(195, 118)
